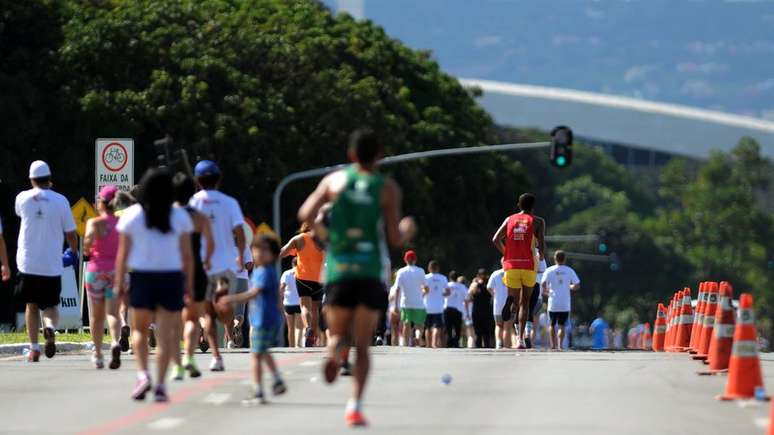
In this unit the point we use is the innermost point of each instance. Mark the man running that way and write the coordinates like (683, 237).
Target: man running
(226, 222)
(454, 307)
(558, 282)
(437, 286)
(503, 316)
(411, 287)
(516, 239)
(365, 206)
(46, 221)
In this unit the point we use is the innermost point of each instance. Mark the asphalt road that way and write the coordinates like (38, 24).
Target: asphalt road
(492, 392)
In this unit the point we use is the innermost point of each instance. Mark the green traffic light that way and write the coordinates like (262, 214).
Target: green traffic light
(561, 161)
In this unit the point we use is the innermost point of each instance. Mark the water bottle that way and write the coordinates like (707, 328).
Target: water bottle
(25, 353)
(760, 394)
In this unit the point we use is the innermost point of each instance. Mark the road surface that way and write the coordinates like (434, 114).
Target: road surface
(492, 392)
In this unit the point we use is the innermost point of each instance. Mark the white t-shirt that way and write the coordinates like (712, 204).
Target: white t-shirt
(499, 289)
(434, 299)
(45, 218)
(290, 297)
(411, 279)
(225, 215)
(559, 279)
(152, 250)
(456, 298)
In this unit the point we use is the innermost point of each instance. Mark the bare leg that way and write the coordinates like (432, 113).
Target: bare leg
(315, 318)
(299, 331)
(141, 319)
(191, 332)
(507, 334)
(560, 337)
(306, 311)
(51, 317)
(97, 323)
(32, 318)
(290, 321)
(526, 293)
(168, 334)
(407, 330)
(210, 329)
(363, 326)
(113, 321)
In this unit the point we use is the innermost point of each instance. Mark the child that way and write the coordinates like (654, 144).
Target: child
(265, 315)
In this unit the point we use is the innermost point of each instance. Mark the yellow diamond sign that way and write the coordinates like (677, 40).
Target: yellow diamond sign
(265, 229)
(82, 212)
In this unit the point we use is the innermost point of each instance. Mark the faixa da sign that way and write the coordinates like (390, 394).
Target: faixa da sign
(114, 164)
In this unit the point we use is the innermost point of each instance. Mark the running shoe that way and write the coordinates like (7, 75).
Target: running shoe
(124, 340)
(217, 365)
(346, 369)
(193, 371)
(257, 399)
(178, 373)
(309, 338)
(33, 356)
(115, 357)
(279, 388)
(379, 340)
(98, 361)
(204, 345)
(355, 419)
(330, 370)
(238, 338)
(50, 348)
(521, 345)
(230, 345)
(528, 342)
(152, 338)
(141, 388)
(160, 394)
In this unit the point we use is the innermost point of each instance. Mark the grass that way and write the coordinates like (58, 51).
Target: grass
(21, 337)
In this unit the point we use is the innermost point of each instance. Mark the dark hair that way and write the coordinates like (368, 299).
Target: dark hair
(453, 275)
(273, 243)
(184, 187)
(42, 180)
(122, 200)
(527, 202)
(560, 256)
(433, 265)
(136, 192)
(481, 271)
(156, 199)
(208, 182)
(365, 145)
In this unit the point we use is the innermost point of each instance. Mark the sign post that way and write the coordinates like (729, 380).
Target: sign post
(114, 164)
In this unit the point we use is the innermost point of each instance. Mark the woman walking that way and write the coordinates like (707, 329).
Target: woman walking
(483, 321)
(155, 247)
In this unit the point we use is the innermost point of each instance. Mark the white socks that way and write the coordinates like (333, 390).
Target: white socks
(354, 405)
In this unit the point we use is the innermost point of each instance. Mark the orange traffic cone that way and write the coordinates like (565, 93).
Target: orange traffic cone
(683, 335)
(722, 333)
(771, 421)
(646, 339)
(698, 319)
(671, 325)
(744, 369)
(659, 330)
(709, 323)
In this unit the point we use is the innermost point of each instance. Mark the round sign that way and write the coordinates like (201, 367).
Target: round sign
(114, 156)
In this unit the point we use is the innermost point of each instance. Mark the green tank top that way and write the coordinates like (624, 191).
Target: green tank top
(356, 247)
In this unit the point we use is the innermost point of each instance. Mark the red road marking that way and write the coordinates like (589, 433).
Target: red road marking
(148, 411)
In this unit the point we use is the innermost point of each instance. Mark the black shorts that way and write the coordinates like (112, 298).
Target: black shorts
(435, 320)
(292, 309)
(349, 293)
(43, 291)
(150, 290)
(535, 302)
(309, 289)
(201, 282)
(559, 317)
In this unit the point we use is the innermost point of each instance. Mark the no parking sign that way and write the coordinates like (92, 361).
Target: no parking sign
(114, 164)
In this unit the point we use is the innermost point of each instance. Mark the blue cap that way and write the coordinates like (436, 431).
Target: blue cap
(206, 168)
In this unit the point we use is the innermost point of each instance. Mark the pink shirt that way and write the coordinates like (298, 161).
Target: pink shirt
(104, 249)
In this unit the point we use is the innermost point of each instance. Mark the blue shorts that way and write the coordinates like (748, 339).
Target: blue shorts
(151, 290)
(264, 338)
(434, 321)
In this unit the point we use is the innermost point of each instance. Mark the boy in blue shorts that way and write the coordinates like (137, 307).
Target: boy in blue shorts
(265, 315)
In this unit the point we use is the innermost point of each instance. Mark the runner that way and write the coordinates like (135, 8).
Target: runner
(467, 317)
(393, 314)
(366, 206)
(482, 310)
(185, 188)
(5, 267)
(123, 201)
(535, 303)
(46, 221)
(502, 309)
(310, 255)
(226, 220)
(516, 239)
(454, 306)
(155, 247)
(437, 285)
(558, 282)
(292, 304)
(265, 316)
(233, 337)
(412, 286)
(101, 242)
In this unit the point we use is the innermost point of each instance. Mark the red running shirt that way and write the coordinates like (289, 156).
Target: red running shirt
(520, 242)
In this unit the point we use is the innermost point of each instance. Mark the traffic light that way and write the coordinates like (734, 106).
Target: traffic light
(561, 146)
(163, 151)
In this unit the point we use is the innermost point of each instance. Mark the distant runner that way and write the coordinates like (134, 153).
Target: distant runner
(558, 282)
(411, 287)
(483, 323)
(535, 304)
(454, 307)
(292, 305)
(517, 239)
(366, 208)
(437, 285)
(46, 221)
(502, 309)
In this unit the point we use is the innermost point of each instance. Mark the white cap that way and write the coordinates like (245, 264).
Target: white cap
(39, 169)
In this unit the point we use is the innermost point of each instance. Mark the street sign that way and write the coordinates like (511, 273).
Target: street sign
(264, 229)
(82, 212)
(114, 164)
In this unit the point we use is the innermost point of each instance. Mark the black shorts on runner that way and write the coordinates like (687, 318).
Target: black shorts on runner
(559, 317)
(309, 289)
(43, 291)
(150, 290)
(507, 314)
(435, 321)
(201, 281)
(292, 309)
(535, 302)
(350, 293)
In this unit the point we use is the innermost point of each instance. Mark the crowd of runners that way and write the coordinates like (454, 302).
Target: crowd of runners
(170, 260)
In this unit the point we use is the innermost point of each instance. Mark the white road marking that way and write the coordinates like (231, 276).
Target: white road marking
(216, 398)
(762, 422)
(310, 363)
(165, 423)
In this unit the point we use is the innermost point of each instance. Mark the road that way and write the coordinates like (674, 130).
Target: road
(492, 392)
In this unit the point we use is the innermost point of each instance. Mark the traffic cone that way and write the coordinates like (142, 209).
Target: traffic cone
(697, 319)
(671, 325)
(722, 333)
(685, 322)
(646, 339)
(744, 368)
(708, 324)
(659, 329)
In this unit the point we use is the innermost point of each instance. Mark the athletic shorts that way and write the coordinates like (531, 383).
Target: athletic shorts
(292, 309)
(506, 314)
(309, 289)
(263, 338)
(520, 278)
(535, 302)
(417, 316)
(559, 317)
(43, 291)
(99, 285)
(151, 290)
(201, 284)
(349, 293)
(434, 320)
